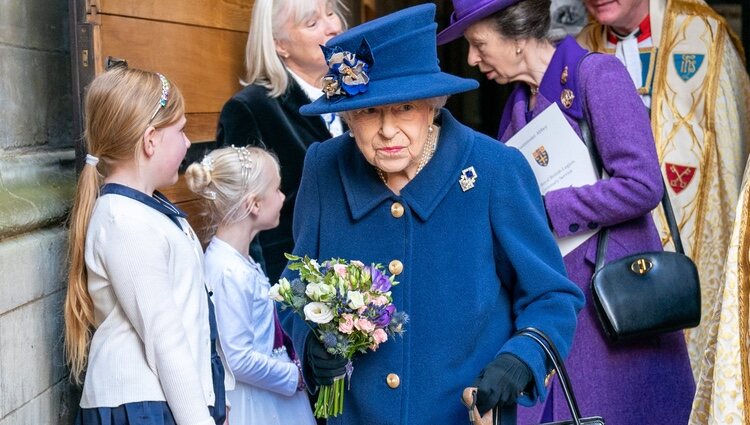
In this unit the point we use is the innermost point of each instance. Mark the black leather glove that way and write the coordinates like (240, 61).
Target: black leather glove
(501, 381)
(323, 365)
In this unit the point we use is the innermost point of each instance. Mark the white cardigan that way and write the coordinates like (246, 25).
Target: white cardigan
(152, 338)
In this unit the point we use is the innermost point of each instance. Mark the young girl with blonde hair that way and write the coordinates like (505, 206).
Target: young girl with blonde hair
(138, 320)
(241, 187)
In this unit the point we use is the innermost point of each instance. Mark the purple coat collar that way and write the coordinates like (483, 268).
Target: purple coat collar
(568, 53)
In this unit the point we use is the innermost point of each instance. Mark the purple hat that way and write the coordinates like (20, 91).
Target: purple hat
(467, 12)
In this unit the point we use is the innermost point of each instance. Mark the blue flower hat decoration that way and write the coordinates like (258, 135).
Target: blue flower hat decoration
(347, 71)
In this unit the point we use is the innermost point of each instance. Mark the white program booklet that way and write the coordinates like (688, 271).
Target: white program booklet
(559, 159)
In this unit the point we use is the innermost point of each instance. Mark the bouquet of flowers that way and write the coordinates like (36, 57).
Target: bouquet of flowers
(349, 307)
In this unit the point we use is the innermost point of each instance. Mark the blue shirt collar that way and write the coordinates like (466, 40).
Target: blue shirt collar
(158, 202)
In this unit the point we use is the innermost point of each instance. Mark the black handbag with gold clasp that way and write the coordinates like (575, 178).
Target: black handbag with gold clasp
(647, 293)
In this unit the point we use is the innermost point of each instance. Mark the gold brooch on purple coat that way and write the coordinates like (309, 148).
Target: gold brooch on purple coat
(468, 178)
(566, 97)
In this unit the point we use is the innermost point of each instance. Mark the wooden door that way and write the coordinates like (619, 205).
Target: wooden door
(197, 44)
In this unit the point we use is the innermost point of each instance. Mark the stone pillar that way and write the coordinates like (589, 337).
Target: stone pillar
(37, 181)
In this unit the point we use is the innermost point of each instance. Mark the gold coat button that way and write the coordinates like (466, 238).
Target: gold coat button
(395, 267)
(397, 210)
(393, 380)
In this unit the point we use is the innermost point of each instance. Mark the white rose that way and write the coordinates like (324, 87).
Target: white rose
(318, 313)
(273, 293)
(284, 286)
(319, 291)
(356, 299)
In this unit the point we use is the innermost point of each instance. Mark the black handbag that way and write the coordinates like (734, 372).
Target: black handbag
(557, 363)
(647, 293)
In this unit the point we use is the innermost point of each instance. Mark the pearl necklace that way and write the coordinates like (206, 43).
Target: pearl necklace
(428, 150)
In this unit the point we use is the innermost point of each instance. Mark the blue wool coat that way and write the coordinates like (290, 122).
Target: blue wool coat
(477, 265)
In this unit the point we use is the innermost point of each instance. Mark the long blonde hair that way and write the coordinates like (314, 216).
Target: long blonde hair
(225, 179)
(120, 105)
(262, 64)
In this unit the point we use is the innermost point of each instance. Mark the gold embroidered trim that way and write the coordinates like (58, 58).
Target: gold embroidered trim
(743, 289)
(711, 85)
(691, 7)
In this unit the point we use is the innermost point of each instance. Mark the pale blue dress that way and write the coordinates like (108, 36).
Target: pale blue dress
(266, 379)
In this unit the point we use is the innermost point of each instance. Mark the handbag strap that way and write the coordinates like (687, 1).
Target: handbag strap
(549, 348)
(601, 244)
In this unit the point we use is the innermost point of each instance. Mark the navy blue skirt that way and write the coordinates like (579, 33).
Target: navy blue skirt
(138, 413)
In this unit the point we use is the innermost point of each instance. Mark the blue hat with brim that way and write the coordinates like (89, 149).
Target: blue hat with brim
(468, 12)
(392, 59)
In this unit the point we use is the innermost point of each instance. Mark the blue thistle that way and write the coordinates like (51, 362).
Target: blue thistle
(329, 339)
(298, 287)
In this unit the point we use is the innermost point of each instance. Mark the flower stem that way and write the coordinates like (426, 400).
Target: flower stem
(330, 399)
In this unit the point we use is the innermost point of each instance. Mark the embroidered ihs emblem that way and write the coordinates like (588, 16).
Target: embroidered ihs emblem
(679, 176)
(468, 178)
(687, 64)
(541, 156)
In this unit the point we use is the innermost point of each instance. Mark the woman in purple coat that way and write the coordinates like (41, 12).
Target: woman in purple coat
(644, 382)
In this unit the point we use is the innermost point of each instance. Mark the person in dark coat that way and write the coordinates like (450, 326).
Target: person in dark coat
(284, 68)
(640, 382)
(456, 216)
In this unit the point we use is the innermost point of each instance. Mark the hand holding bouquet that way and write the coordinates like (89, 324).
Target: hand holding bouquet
(348, 306)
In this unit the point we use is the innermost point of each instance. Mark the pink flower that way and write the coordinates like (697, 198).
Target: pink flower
(347, 325)
(340, 269)
(364, 325)
(379, 300)
(379, 336)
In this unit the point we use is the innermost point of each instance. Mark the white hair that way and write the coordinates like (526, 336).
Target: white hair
(267, 24)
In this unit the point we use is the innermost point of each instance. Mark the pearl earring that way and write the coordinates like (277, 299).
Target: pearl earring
(518, 50)
(351, 134)
(430, 129)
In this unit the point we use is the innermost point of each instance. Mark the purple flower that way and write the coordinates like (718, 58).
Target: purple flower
(384, 316)
(380, 281)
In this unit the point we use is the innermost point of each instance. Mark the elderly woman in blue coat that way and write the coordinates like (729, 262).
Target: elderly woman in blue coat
(455, 215)
(646, 381)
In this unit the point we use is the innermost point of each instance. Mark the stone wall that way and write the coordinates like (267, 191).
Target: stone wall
(37, 180)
